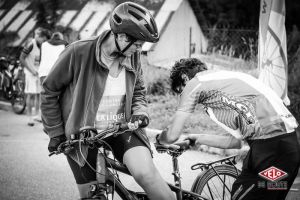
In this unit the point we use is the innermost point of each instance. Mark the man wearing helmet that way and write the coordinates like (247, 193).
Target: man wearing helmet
(99, 81)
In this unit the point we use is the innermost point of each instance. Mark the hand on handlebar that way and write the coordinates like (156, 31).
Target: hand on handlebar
(139, 121)
(55, 142)
(88, 136)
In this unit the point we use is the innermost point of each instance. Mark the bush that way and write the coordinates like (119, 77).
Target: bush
(159, 86)
(156, 78)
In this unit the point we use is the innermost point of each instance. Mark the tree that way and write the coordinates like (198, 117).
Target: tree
(47, 15)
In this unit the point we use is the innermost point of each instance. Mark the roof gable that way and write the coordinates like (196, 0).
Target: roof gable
(88, 17)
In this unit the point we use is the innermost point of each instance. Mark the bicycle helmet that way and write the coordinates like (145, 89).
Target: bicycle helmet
(135, 21)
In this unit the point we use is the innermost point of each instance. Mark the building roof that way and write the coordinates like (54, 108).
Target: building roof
(88, 17)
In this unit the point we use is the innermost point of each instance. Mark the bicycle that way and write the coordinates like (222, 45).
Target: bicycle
(12, 83)
(114, 187)
(216, 179)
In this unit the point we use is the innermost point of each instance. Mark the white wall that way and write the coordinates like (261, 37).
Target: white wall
(174, 42)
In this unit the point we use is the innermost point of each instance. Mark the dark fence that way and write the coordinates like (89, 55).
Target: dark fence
(238, 43)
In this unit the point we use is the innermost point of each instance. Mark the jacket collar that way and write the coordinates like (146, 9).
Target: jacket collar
(57, 42)
(127, 60)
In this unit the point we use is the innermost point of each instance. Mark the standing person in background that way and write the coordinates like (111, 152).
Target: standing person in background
(30, 60)
(50, 51)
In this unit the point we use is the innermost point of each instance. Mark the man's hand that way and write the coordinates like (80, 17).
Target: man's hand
(158, 146)
(55, 142)
(140, 121)
(162, 148)
(190, 137)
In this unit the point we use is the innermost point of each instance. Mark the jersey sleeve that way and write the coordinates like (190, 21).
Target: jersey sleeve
(189, 98)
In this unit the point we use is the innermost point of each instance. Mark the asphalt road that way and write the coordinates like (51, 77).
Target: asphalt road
(27, 173)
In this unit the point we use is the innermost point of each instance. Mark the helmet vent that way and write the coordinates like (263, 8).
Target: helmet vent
(138, 8)
(142, 34)
(135, 15)
(117, 19)
(153, 25)
(149, 29)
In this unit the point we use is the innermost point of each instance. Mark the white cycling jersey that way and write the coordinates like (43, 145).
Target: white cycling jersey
(239, 103)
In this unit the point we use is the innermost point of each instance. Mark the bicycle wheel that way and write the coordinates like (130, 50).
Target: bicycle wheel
(209, 185)
(18, 100)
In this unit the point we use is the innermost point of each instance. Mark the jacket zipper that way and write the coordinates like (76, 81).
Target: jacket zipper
(89, 100)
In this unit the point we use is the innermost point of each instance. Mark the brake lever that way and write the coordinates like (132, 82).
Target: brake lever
(52, 153)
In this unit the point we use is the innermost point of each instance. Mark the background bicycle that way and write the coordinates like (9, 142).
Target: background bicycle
(220, 174)
(12, 83)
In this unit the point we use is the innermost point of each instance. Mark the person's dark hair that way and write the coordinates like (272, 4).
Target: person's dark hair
(57, 36)
(189, 66)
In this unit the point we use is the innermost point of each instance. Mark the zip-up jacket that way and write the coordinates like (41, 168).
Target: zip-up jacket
(74, 87)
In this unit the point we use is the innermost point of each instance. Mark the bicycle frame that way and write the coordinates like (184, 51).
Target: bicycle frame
(130, 195)
(90, 136)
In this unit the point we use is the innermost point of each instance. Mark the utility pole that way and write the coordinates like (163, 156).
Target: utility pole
(190, 42)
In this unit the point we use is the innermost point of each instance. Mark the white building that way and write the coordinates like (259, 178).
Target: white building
(180, 33)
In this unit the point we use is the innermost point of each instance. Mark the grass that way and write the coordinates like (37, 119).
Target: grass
(163, 107)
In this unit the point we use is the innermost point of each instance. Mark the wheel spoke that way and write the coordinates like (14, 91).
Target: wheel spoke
(224, 180)
(215, 187)
(210, 191)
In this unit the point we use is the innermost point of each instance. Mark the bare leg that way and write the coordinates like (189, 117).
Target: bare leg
(30, 105)
(37, 104)
(37, 114)
(140, 164)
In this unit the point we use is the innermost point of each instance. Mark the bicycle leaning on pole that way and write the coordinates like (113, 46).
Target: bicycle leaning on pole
(214, 182)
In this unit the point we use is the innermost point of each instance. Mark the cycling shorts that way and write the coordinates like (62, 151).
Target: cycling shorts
(119, 145)
(282, 152)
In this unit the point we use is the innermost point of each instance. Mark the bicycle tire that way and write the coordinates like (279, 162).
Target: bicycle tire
(18, 100)
(206, 183)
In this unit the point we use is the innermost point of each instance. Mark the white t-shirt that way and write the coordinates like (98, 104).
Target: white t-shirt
(49, 56)
(112, 104)
(32, 83)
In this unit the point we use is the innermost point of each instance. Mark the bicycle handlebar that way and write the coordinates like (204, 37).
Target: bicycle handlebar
(91, 136)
